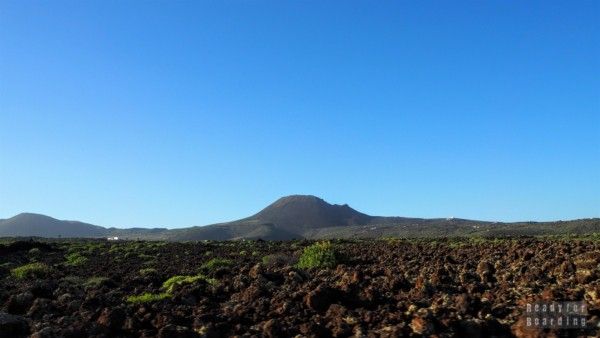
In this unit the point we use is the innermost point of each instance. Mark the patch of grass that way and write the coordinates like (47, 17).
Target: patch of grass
(318, 255)
(32, 270)
(76, 259)
(148, 297)
(216, 263)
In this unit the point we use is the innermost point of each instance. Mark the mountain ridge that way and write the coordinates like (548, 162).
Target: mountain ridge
(297, 216)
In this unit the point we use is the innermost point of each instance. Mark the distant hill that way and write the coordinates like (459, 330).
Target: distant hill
(299, 216)
(27, 224)
(36, 225)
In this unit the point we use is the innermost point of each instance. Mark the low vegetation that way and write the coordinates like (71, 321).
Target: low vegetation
(148, 297)
(76, 259)
(216, 263)
(318, 255)
(31, 270)
(170, 284)
(148, 271)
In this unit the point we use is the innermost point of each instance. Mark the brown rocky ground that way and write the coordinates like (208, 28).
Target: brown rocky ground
(443, 288)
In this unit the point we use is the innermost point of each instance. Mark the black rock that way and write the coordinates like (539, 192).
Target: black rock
(12, 326)
(19, 303)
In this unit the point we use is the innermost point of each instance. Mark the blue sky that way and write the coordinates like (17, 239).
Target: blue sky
(140, 113)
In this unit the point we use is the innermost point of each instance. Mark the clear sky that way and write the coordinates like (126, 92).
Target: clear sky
(179, 113)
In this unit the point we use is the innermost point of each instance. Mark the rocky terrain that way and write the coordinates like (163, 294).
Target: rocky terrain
(345, 288)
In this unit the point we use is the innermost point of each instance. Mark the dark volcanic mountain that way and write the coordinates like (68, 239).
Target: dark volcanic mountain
(300, 216)
(288, 217)
(305, 211)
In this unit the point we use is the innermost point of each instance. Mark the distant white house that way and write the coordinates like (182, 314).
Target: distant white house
(113, 238)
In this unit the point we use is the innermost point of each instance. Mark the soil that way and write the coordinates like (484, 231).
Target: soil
(381, 288)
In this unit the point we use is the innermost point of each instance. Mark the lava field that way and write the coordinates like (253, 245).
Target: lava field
(367, 288)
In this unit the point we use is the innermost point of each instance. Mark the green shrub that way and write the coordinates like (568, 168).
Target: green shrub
(216, 263)
(76, 259)
(32, 270)
(170, 284)
(266, 259)
(148, 297)
(318, 255)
